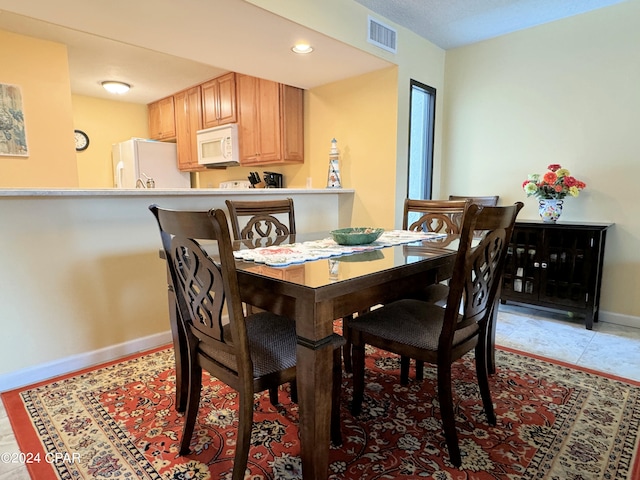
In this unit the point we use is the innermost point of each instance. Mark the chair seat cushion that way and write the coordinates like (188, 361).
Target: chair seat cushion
(411, 322)
(272, 343)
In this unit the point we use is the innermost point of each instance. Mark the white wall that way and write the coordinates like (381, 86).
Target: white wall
(567, 92)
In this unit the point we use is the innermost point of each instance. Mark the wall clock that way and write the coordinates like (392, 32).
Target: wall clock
(82, 140)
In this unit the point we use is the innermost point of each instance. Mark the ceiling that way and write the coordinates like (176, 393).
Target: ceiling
(454, 23)
(180, 47)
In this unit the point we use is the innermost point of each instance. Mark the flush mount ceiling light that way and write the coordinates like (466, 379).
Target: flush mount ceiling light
(117, 88)
(302, 48)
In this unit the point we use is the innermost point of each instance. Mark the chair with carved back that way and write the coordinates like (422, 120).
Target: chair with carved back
(440, 335)
(249, 353)
(440, 216)
(267, 218)
(488, 200)
(253, 221)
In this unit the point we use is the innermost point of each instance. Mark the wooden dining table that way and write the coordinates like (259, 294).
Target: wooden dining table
(315, 294)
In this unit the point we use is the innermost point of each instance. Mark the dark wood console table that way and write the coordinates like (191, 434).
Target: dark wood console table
(556, 266)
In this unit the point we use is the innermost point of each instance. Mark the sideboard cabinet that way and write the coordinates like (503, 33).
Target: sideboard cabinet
(556, 266)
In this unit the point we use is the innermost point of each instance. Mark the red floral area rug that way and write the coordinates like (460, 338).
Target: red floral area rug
(119, 422)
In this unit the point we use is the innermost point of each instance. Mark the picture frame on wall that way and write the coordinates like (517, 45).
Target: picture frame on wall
(13, 138)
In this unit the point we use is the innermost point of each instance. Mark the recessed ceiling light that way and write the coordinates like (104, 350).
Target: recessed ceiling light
(117, 88)
(302, 48)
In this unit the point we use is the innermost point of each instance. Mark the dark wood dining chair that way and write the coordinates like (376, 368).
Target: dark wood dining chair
(488, 200)
(262, 219)
(267, 218)
(440, 335)
(249, 353)
(440, 216)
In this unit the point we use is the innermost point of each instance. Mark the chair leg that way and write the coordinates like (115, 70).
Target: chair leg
(419, 370)
(243, 443)
(346, 348)
(482, 371)
(357, 356)
(294, 391)
(404, 370)
(191, 409)
(445, 397)
(273, 396)
(336, 432)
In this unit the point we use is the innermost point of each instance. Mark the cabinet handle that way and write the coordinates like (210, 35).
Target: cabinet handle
(544, 265)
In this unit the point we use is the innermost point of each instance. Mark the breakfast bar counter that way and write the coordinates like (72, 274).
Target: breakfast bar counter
(80, 276)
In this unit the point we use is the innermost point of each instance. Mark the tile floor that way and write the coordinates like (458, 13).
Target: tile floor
(608, 347)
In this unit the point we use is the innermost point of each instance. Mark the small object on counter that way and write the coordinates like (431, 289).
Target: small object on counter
(273, 180)
(254, 178)
(333, 178)
(150, 181)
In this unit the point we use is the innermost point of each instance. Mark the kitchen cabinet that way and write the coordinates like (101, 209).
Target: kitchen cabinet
(556, 266)
(162, 124)
(219, 101)
(188, 104)
(270, 122)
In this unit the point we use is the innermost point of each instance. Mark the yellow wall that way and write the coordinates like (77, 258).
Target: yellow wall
(41, 70)
(105, 122)
(566, 92)
(361, 114)
(365, 131)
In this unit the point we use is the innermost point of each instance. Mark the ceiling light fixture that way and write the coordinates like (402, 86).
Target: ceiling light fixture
(302, 48)
(117, 88)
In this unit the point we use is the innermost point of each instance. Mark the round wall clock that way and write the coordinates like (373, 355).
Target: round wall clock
(82, 140)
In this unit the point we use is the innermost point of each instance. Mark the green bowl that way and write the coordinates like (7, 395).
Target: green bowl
(356, 236)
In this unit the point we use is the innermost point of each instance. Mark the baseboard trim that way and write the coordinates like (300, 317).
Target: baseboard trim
(63, 366)
(619, 319)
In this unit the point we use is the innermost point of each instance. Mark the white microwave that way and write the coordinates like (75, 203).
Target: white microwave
(218, 146)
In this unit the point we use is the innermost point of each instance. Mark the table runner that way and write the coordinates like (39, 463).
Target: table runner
(292, 253)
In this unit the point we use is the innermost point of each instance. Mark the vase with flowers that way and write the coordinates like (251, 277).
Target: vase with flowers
(551, 188)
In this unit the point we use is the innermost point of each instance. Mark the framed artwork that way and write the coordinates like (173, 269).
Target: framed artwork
(13, 139)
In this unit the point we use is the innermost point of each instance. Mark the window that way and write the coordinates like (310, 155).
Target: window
(421, 127)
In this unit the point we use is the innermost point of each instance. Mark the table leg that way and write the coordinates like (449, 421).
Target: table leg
(314, 377)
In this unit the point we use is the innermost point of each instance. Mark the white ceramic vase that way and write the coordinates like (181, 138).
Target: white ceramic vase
(550, 210)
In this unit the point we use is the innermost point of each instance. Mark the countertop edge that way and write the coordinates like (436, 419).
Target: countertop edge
(115, 192)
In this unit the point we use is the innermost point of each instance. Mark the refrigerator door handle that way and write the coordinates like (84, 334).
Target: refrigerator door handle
(119, 171)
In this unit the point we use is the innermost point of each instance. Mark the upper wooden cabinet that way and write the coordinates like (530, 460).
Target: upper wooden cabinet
(270, 122)
(219, 101)
(188, 104)
(162, 123)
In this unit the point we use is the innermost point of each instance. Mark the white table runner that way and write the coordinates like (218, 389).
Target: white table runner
(292, 253)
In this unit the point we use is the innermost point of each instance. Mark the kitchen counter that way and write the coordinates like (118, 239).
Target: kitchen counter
(116, 192)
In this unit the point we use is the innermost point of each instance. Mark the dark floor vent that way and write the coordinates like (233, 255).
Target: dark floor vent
(382, 35)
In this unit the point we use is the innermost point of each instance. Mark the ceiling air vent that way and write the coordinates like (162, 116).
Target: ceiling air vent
(382, 35)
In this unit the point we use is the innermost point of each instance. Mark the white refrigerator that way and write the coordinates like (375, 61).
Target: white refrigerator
(141, 159)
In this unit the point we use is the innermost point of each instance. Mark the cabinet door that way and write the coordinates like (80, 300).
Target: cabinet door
(162, 119)
(292, 123)
(227, 99)
(188, 122)
(269, 119)
(219, 101)
(520, 279)
(566, 267)
(248, 123)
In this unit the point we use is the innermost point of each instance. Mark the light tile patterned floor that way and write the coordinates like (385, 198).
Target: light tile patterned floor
(608, 348)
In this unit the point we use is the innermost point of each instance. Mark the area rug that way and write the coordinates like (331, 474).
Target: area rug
(119, 422)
